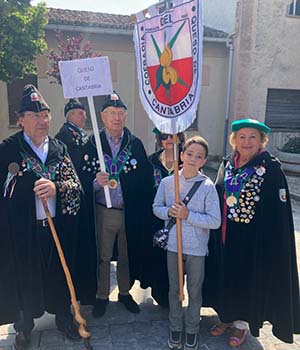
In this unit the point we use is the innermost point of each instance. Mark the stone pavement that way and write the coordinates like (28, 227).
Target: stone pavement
(121, 330)
(294, 186)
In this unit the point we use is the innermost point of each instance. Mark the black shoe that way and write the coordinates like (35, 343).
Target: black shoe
(174, 341)
(70, 331)
(191, 341)
(22, 340)
(99, 307)
(129, 303)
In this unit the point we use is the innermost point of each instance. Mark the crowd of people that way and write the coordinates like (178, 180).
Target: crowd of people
(238, 244)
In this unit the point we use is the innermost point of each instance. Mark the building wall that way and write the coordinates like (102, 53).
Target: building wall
(267, 51)
(120, 50)
(220, 14)
(211, 112)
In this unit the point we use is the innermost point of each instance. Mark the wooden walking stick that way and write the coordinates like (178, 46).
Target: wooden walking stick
(83, 332)
(178, 221)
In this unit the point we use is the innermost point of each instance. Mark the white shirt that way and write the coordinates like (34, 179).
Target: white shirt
(42, 152)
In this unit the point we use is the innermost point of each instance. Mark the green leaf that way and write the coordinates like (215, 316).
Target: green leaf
(159, 79)
(22, 32)
(182, 82)
(158, 52)
(172, 41)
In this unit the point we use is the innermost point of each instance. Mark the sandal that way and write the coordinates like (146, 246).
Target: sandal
(235, 340)
(220, 328)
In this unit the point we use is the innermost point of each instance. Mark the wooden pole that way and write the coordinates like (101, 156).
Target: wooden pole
(81, 321)
(178, 221)
(98, 147)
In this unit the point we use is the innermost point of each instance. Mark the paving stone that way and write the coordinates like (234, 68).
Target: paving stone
(7, 340)
(52, 338)
(100, 333)
(122, 333)
(107, 346)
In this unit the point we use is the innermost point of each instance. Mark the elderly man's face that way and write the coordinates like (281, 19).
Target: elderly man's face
(77, 116)
(36, 124)
(114, 119)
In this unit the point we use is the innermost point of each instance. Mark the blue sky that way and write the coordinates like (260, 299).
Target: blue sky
(124, 7)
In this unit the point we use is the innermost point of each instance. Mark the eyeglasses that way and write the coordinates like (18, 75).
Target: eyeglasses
(114, 113)
(35, 116)
(164, 137)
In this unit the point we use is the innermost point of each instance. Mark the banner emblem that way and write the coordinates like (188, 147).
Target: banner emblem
(169, 59)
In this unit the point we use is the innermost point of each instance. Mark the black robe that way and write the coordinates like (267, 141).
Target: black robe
(75, 140)
(137, 184)
(85, 275)
(157, 265)
(253, 276)
(23, 285)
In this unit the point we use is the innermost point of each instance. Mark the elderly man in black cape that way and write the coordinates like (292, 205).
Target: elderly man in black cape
(125, 225)
(73, 135)
(35, 167)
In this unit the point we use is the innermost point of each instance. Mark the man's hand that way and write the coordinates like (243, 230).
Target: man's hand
(44, 188)
(102, 178)
(179, 210)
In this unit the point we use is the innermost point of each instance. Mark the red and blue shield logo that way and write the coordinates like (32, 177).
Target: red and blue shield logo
(169, 59)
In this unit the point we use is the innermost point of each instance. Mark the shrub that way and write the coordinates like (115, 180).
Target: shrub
(292, 145)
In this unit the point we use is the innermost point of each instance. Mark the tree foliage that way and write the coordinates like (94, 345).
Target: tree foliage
(68, 48)
(21, 37)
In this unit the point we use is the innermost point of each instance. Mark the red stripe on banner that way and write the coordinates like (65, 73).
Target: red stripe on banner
(177, 91)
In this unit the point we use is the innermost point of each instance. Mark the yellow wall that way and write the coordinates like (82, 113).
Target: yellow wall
(120, 50)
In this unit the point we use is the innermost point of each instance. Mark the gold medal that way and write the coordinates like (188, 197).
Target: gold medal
(113, 184)
(231, 201)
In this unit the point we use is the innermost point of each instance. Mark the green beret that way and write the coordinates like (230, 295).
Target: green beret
(249, 123)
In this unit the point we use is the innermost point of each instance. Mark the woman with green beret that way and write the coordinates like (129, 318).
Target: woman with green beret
(251, 269)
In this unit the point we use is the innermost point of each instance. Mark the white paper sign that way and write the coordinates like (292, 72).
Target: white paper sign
(86, 77)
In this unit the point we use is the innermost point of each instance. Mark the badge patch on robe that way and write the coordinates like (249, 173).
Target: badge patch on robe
(282, 194)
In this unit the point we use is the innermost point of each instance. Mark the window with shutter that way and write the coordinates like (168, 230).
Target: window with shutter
(283, 109)
(14, 93)
(294, 8)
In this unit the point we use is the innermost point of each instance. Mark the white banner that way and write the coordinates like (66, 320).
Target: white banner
(169, 61)
(86, 77)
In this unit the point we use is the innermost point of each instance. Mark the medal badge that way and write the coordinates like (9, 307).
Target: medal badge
(231, 201)
(261, 171)
(114, 166)
(113, 184)
(13, 168)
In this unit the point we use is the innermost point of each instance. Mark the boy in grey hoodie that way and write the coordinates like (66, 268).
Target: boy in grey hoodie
(201, 214)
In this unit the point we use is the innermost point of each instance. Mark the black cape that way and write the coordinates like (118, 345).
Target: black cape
(85, 273)
(137, 184)
(23, 285)
(253, 276)
(75, 140)
(157, 265)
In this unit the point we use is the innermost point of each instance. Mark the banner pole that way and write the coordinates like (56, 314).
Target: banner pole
(99, 147)
(178, 221)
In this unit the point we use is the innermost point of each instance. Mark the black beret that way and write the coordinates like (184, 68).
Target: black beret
(73, 104)
(113, 100)
(32, 100)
